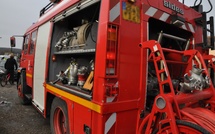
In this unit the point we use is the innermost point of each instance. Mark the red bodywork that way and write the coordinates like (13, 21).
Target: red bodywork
(119, 101)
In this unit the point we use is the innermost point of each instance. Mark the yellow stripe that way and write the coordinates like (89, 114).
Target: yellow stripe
(86, 103)
(29, 75)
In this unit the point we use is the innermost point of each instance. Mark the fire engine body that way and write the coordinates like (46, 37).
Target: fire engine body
(120, 66)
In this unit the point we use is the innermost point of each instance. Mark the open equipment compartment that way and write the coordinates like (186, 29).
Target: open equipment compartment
(73, 47)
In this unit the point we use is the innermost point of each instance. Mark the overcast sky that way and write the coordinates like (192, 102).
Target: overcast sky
(16, 16)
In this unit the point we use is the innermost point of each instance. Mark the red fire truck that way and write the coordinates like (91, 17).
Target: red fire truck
(121, 67)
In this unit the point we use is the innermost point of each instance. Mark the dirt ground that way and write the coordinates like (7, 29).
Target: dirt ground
(16, 118)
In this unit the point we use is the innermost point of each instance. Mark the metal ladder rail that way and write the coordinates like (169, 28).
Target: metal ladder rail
(160, 64)
(171, 108)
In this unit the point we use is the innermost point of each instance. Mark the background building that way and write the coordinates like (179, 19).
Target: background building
(4, 50)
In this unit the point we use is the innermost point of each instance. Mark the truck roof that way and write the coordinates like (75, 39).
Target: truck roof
(53, 10)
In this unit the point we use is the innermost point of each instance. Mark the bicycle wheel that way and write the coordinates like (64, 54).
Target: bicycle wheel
(4, 80)
(8, 79)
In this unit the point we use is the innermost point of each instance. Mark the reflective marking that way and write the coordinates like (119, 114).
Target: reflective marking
(164, 17)
(184, 27)
(110, 99)
(29, 65)
(151, 11)
(110, 122)
(83, 102)
(29, 75)
(155, 48)
(115, 12)
(191, 27)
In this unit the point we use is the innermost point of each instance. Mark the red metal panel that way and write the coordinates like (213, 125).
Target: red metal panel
(82, 116)
(129, 59)
(126, 122)
(97, 123)
(70, 107)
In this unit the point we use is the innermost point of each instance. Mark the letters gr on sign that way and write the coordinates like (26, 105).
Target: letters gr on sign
(173, 7)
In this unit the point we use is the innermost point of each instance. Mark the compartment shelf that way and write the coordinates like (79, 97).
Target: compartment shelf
(76, 51)
(74, 90)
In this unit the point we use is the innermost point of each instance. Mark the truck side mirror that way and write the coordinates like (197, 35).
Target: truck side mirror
(12, 41)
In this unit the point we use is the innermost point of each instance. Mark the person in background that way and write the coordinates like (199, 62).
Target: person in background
(10, 65)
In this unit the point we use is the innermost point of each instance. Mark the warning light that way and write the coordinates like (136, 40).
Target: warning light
(12, 41)
(53, 58)
(111, 59)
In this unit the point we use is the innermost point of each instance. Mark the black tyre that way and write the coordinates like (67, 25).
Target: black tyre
(3, 80)
(184, 127)
(59, 117)
(22, 89)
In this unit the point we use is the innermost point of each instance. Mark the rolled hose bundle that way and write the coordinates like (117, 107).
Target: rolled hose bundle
(201, 116)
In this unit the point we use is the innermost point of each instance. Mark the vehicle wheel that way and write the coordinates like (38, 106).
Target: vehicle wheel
(184, 127)
(59, 117)
(22, 88)
(3, 81)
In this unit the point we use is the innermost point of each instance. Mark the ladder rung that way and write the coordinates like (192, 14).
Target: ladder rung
(161, 71)
(164, 82)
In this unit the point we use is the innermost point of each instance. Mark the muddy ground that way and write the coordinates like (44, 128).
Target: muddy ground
(16, 118)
